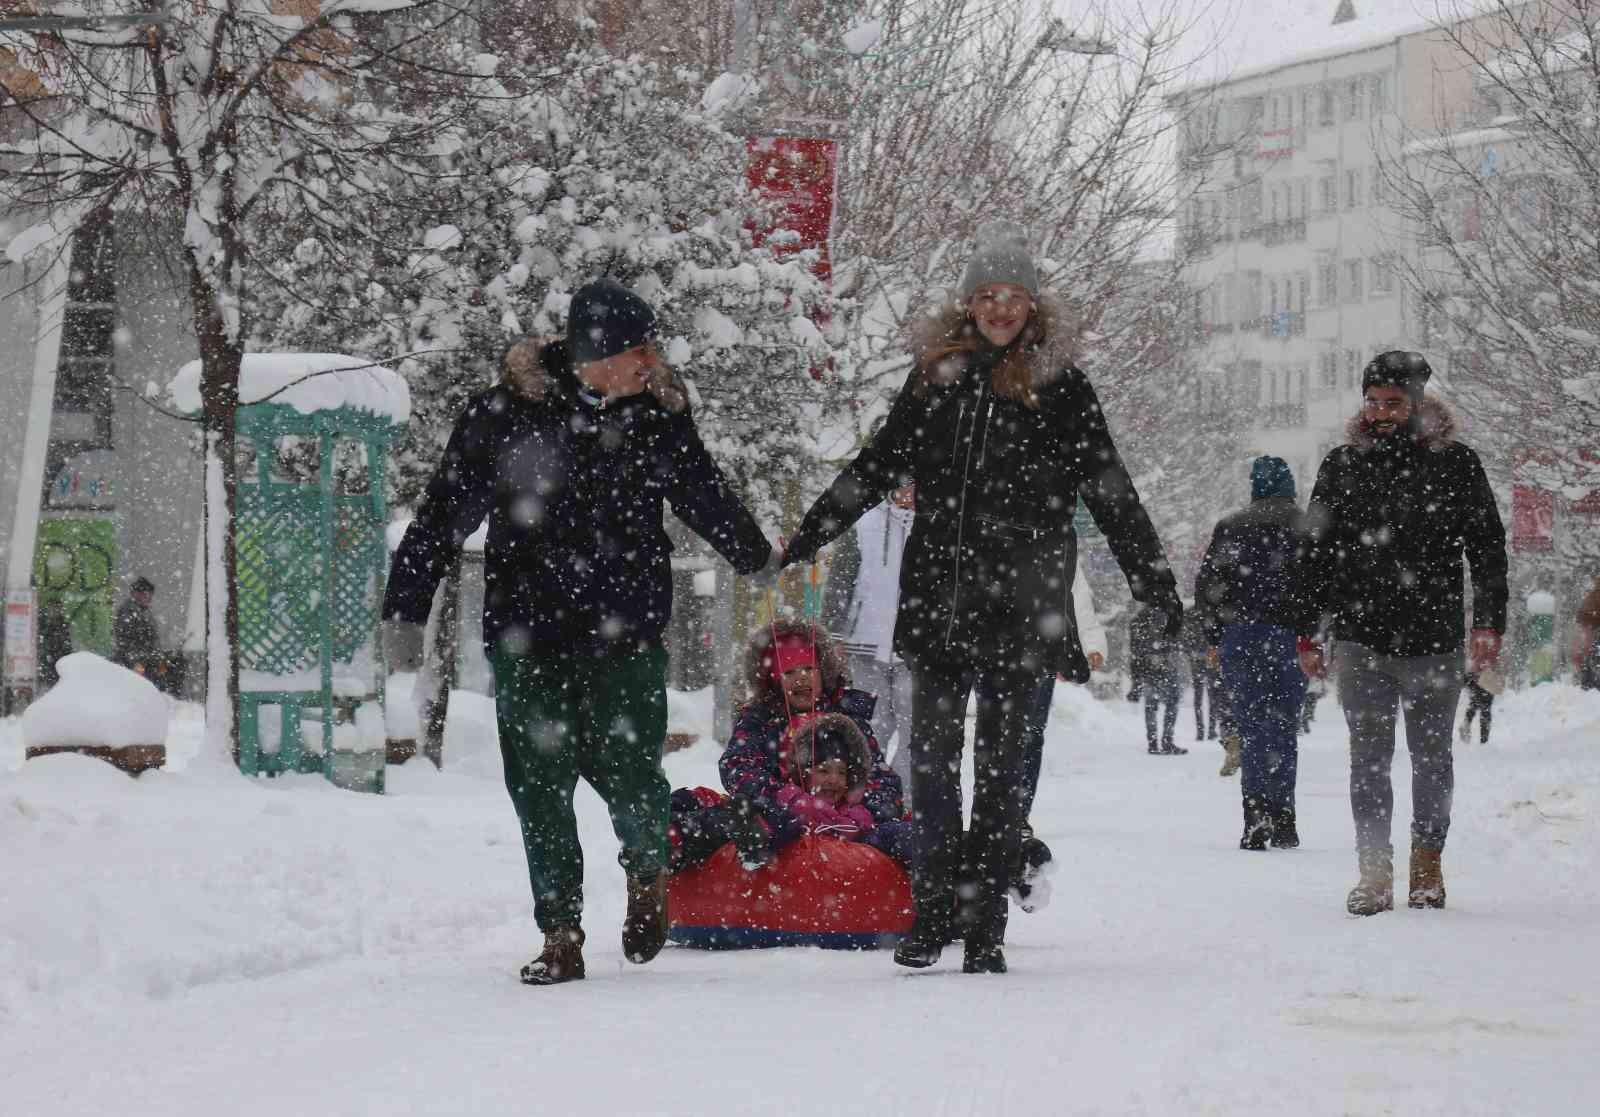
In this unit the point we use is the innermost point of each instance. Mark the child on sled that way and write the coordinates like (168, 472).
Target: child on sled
(797, 693)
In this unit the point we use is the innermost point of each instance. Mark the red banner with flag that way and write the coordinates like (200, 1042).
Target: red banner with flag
(797, 176)
(1533, 519)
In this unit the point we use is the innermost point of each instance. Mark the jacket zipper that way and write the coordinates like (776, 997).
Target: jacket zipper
(961, 417)
(988, 426)
(961, 510)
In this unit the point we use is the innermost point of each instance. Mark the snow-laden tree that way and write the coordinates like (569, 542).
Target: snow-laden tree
(200, 115)
(1505, 200)
(559, 167)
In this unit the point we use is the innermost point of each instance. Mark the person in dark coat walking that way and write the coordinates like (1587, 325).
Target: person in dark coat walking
(1246, 592)
(1000, 432)
(136, 640)
(1202, 675)
(1393, 513)
(572, 458)
(1156, 658)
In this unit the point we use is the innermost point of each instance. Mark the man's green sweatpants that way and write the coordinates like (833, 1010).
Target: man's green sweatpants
(605, 720)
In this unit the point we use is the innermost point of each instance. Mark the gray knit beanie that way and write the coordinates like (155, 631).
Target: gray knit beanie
(999, 255)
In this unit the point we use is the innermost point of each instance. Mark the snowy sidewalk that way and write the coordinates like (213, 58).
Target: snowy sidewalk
(191, 943)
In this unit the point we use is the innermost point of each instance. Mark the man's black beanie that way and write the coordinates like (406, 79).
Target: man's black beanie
(1397, 369)
(606, 319)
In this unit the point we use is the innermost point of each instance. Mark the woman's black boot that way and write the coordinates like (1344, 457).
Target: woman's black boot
(923, 943)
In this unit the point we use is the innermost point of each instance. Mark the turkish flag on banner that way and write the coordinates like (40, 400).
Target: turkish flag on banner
(798, 175)
(1533, 518)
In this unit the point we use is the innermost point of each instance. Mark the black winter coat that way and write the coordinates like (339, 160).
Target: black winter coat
(577, 560)
(1248, 573)
(1390, 520)
(988, 568)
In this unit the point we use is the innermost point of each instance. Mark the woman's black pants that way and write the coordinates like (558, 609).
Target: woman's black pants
(964, 873)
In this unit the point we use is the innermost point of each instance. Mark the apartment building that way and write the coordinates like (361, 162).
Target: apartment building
(1291, 237)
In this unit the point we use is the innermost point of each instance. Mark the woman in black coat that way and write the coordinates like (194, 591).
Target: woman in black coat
(1000, 434)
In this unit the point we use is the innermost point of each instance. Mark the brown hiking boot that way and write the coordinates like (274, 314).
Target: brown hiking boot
(561, 960)
(1374, 892)
(644, 930)
(1230, 753)
(1427, 879)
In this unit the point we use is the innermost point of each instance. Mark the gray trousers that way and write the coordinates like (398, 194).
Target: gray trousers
(891, 682)
(1425, 689)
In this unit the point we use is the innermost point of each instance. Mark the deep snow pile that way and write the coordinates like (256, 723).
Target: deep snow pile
(97, 702)
(193, 943)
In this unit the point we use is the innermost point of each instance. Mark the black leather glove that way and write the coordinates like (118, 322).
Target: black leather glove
(1168, 604)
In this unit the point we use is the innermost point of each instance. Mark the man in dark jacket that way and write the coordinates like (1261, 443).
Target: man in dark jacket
(1392, 515)
(1245, 592)
(571, 457)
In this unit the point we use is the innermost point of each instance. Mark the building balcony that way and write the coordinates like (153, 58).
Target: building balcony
(1286, 324)
(1290, 231)
(1282, 416)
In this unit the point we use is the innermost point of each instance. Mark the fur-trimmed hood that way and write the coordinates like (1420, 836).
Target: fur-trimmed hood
(1048, 344)
(759, 683)
(538, 368)
(1433, 425)
(801, 752)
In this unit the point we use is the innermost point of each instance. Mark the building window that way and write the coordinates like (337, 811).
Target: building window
(1328, 371)
(1352, 280)
(1328, 193)
(1352, 369)
(1376, 194)
(1352, 99)
(1325, 106)
(1352, 189)
(1381, 271)
(1327, 281)
(1379, 94)
(1304, 283)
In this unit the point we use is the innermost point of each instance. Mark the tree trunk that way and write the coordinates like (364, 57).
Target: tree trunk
(220, 361)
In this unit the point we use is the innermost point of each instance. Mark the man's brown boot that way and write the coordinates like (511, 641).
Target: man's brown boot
(644, 931)
(1427, 878)
(1374, 892)
(561, 960)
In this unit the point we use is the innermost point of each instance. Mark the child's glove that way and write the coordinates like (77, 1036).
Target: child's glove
(817, 815)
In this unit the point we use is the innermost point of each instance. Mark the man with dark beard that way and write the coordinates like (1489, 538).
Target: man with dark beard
(1392, 515)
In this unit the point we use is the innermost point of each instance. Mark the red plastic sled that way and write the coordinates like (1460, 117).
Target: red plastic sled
(817, 892)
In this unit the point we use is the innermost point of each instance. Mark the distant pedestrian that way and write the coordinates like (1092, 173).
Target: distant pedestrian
(859, 604)
(1156, 667)
(1393, 513)
(1203, 674)
(1246, 592)
(1586, 639)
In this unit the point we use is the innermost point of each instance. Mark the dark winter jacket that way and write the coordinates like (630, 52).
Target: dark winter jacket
(1389, 522)
(756, 766)
(988, 568)
(577, 560)
(133, 635)
(1248, 573)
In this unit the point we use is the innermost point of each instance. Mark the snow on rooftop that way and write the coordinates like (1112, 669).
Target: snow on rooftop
(1252, 37)
(307, 382)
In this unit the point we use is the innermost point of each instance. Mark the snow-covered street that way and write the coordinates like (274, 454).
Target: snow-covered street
(193, 943)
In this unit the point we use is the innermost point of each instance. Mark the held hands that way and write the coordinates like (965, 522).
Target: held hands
(1313, 664)
(1483, 649)
(766, 578)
